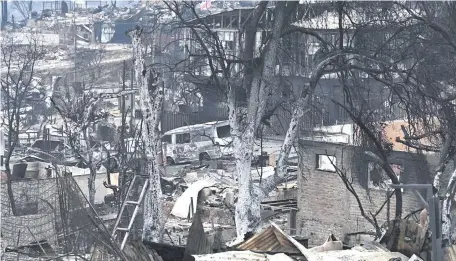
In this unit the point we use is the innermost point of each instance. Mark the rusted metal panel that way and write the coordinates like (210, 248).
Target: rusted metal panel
(197, 242)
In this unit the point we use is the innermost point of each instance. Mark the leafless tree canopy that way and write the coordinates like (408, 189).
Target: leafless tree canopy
(19, 81)
(391, 61)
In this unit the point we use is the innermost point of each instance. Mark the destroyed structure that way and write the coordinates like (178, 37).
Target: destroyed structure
(337, 210)
(53, 219)
(310, 216)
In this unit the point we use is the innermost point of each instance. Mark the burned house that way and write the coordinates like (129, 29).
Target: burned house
(326, 206)
(51, 217)
(295, 63)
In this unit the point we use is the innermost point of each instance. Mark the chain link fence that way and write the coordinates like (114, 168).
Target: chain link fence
(53, 220)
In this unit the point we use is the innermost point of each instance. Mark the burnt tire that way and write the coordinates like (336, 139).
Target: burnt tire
(204, 156)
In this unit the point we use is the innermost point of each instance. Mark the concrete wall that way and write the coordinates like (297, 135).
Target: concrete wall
(38, 181)
(101, 191)
(37, 170)
(325, 205)
(342, 133)
(345, 133)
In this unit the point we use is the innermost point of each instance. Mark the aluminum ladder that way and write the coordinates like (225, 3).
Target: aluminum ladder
(126, 202)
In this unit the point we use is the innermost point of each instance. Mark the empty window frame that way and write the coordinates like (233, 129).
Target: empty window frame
(223, 131)
(377, 177)
(326, 162)
(167, 138)
(201, 137)
(183, 138)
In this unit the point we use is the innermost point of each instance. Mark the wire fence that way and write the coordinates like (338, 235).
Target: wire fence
(279, 121)
(53, 220)
(172, 120)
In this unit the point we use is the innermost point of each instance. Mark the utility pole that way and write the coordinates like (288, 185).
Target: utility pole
(2, 135)
(75, 47)
(123, 100)
(261, 152)
(132, 101)
(124, 118)
(29, 10)
(4, 13)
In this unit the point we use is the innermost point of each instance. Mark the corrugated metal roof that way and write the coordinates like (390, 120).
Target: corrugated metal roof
(242, 256)
(353, 255)
(196, 127)
(197, 242)
(269, 240)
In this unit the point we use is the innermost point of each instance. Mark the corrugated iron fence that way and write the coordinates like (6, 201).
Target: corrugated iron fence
(172, 120)
(322, 113)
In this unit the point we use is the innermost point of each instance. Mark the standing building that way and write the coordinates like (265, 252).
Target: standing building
(299, 52)
(325, 205)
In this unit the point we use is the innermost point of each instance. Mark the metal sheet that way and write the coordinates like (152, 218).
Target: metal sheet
(242, 256)
(269, 240)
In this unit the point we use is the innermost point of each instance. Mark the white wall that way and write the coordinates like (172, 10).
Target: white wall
(336, 138)
(342, 133)
(333, 129)
(81, 177)
(101, 191)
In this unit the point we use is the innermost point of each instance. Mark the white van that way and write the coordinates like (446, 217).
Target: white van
(205, 141)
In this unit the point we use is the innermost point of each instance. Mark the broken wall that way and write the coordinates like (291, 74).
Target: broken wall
(36, 204)
(325, 205)
(36, 196)
(100, 190)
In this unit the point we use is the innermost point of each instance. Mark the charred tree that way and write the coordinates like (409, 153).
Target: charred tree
(18, 65)
(151, 100)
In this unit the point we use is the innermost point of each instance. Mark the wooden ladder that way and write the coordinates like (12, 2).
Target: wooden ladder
(129, 201)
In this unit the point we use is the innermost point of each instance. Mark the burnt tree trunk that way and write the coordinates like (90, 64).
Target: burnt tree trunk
(261, 80)
(446, 210)
(151, 100)
(91, 185)
(9, 185)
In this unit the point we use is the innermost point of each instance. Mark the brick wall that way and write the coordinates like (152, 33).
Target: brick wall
(326, 206)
